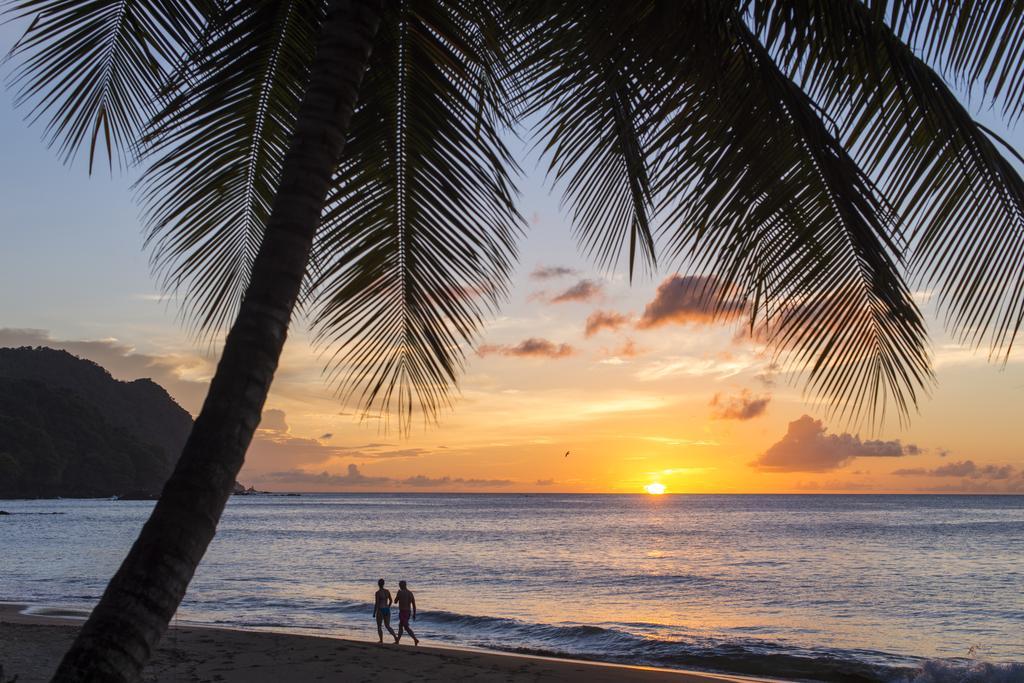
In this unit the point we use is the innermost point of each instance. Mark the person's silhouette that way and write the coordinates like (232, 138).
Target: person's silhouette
(406, 607)
(382, 611)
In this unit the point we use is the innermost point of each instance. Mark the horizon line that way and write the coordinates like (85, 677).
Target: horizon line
(646, 495)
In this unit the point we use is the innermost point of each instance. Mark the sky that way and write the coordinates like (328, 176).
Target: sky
(635, 386)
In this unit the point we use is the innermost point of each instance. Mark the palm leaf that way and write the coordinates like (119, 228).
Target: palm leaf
(216, 148)
(961, 200)
(92, 70)
(419, 237)
(761, 197)
(588, 91)
(979, 43)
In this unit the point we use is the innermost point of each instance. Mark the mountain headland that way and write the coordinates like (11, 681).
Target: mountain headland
(69, 429)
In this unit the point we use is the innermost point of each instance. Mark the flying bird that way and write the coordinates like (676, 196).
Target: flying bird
(566, 454)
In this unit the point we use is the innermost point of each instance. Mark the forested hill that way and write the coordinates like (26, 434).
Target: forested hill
(67, 428)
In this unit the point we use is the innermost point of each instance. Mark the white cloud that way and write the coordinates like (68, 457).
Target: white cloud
(728, 365)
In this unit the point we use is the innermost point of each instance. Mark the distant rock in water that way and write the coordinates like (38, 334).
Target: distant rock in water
(69, 429)
(240, 490)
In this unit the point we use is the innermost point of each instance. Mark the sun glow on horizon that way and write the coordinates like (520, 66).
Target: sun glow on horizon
(655, 489)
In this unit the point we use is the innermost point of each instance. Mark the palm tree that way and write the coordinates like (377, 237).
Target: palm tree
(804, 158)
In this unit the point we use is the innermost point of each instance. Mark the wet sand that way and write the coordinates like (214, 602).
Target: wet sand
(32, 644)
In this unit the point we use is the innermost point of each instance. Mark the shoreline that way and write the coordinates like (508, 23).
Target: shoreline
(33, 637)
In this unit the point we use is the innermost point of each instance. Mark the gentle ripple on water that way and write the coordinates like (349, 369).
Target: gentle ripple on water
(834, 587)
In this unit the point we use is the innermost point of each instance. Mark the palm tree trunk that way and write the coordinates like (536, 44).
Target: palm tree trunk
(126, 625)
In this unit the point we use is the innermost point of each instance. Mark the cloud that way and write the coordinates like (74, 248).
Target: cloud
(277, 450)
(605, 320)
(533, 347)
(627, 350)
(973, 478)
(272, 450)
(964, 468)
(273, 420)
(807, 447)
(584, 290)
(619, 355)
(768, 375)
(544, 482)
(354, 478)
(356, 453)
(688, 299)
(833, 485)
(742, 407)
(1015, 485)
(550, 272)
(185, 377)
(386, 455)
(721, 366)
(421, 481)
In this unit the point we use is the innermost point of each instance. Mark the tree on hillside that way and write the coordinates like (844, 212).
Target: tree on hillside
(805, 157)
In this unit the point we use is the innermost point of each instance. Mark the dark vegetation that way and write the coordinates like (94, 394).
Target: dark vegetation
(69, 429)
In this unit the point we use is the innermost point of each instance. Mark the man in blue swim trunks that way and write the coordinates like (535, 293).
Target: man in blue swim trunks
(382, 611)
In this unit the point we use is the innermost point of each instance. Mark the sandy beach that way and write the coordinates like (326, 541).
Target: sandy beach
(31, 644)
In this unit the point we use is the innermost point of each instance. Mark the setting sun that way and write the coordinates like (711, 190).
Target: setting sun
(655, 489)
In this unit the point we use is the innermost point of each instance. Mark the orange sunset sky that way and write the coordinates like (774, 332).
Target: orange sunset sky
(637, 385)
(682, 402)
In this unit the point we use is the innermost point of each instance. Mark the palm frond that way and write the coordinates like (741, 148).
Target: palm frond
(978, 43)
(587, 87)
(92, 70)
(961, 200)
(757, 191)
(419, 237)
(216, 148)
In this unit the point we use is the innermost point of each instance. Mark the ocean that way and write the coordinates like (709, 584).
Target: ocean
(832, 588)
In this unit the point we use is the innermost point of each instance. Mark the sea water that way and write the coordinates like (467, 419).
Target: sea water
(841, 588)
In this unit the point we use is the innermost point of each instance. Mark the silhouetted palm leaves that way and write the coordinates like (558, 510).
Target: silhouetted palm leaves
(91, 70)
(216, 146)
(805, 155)
(419, 234)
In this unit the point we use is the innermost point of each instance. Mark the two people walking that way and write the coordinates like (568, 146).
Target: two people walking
(382, 602)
